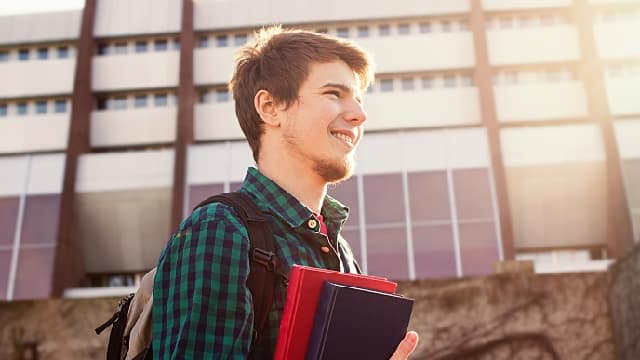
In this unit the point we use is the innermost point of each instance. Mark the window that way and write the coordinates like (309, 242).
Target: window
(386, 85)
(21, 108)
(160, 99)
(467, 80)
(63, 52)
(141, 47)
(240, 39)
(104, 49)
(322, 30)
(450, 81)
(425, 27)
(558, 75)
(427, 82)
(547, 20)
(120, 48)
(41, 107)
(526, 21)
(23, 54)
(384, 30)
(463, 25)
(101, 104)
(60, 106)
(160, 45)
(506, 23)
(403, 29)
(3, 109)
(407, 83)
(203, 42)
(205, 97)
(363, 31)
(43, 53)
(342, 32)
(4, 56)
(222, 41)
(176, 43)
(511, 78)
(445, 26)
(118, 103)
(222, 95)
(140, 101)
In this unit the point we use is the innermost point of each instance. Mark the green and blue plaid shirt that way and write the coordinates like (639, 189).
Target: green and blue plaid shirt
(202, 308)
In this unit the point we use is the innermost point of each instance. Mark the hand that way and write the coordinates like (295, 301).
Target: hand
(406, 346)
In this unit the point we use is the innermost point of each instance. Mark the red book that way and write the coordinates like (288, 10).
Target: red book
(303, 292)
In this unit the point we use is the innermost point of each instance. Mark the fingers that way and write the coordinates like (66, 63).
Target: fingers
(406, 346)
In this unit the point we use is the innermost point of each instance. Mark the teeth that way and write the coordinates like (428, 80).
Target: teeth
(343, 137)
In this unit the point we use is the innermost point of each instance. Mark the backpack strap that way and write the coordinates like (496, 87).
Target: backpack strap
(263, 278)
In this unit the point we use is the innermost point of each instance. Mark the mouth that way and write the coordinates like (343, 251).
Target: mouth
(345, 137)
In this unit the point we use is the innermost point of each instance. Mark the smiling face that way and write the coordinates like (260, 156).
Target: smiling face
(323, 127)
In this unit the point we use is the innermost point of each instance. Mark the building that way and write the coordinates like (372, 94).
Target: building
(498, 129)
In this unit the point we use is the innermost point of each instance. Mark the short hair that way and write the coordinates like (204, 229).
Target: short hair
(278, 61)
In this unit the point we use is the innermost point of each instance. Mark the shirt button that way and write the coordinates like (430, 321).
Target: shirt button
(325, 249)
(312, 224)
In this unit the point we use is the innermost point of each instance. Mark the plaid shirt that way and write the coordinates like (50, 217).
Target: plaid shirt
(202, 308)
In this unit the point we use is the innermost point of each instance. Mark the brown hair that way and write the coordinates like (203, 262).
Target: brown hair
(278, 61)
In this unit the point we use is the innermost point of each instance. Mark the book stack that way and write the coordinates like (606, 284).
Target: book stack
(333, 315)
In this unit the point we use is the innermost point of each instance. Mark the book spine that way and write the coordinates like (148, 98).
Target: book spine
(322, 319)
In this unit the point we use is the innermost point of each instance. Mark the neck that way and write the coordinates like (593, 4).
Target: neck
(298, 180)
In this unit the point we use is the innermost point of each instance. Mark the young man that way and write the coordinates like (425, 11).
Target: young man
(298, 98)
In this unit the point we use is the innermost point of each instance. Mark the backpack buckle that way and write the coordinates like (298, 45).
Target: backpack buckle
(266, 258)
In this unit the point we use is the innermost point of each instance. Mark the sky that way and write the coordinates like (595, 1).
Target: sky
(11, 7)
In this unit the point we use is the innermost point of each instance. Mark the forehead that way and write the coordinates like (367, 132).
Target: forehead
(334, 72)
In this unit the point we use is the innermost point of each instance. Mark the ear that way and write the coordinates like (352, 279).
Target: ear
(267, 108)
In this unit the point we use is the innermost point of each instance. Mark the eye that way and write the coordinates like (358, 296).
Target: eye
(335, 93)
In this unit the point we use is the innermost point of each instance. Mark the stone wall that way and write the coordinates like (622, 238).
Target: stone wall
(517, 316)
(624, 300)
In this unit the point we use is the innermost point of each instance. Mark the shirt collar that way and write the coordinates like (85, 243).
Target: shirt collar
(270, 197)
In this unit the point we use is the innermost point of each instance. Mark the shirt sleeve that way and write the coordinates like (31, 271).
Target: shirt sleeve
(202, 308)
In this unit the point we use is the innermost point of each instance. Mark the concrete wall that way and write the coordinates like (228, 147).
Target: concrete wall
(501, 317)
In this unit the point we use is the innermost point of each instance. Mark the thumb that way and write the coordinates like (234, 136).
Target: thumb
(406, 346)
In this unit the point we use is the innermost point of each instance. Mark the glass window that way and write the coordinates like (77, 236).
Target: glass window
(408, 83)
(176, 43)
(43, 53)
(120, 48)
(104, 49)
(160, 45)
(510, 78)
(450, 81)
(23, 54)
(445, 26)
(558, 75)
(4, 56)
(386, 85)
(463, 25)
(160, 99)
(370, 89)
(342, 32)
(41, 107)
(141, 46)
(63, 52)
(506, 23)
(140, 101)
(222, 41)
(240, 39)
(403, 29)
(425, 27)
(60, 106)
(3, 110)
(118, 103)
(101, 103)
(384, 30)
(222, 95)
(363, 31)
(428, 82)
(204, 97)
(322, 30)
(21, 108)
(547, 20)
(467, 80)
(35, 268)
(203, 42)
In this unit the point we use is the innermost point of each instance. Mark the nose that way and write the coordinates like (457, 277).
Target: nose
(355, 112)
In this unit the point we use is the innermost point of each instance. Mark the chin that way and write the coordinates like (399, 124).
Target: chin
(335, 171)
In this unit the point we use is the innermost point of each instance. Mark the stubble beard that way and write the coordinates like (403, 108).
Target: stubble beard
(334, 171)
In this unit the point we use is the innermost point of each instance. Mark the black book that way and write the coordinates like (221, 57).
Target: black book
(356, 323)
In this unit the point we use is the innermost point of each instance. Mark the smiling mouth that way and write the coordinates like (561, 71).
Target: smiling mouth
(344, 138)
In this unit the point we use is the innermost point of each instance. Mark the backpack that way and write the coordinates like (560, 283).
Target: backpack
(130, 336)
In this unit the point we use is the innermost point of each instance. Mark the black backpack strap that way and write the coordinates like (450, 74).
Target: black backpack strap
(262, 279)
(119, 322)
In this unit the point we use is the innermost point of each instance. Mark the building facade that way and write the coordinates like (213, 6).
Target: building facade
(497, 129)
